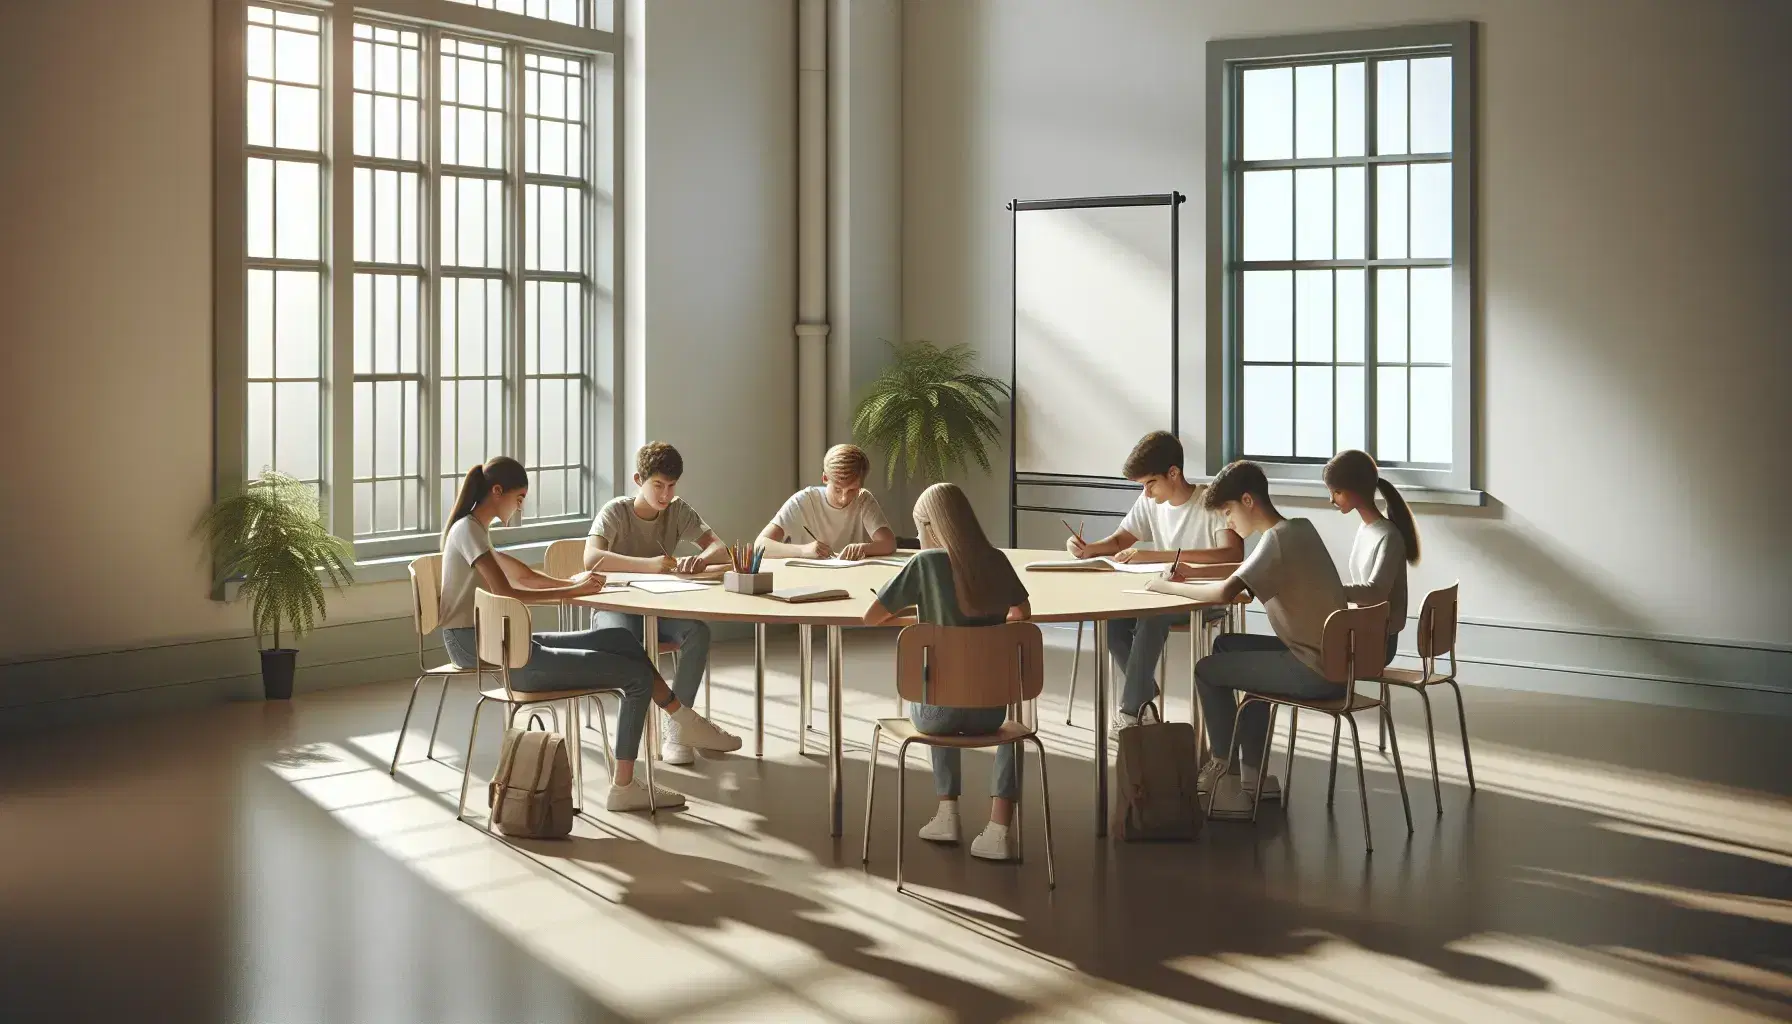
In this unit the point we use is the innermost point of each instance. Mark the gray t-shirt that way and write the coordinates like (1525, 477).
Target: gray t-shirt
(1292, 574)
(467, 540)
(1378, 570)
(629, 534)
(808, 512)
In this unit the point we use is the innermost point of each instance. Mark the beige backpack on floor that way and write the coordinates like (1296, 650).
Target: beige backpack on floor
(1155, 776)
(531, 793)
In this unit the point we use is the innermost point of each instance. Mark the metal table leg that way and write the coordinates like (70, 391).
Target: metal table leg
(650, 640)
(758, 689)
(836, 662)
(1101, 727)
(805, 685)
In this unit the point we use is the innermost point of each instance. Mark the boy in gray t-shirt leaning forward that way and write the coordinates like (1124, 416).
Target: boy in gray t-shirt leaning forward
(640, 533)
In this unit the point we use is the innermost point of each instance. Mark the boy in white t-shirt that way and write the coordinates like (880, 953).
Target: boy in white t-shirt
(1293, 575)
(1168, 517)
(839, 518)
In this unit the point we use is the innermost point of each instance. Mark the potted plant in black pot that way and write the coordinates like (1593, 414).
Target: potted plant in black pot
(272, 538)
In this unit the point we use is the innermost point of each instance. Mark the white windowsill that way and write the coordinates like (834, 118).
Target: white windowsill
(397, 567)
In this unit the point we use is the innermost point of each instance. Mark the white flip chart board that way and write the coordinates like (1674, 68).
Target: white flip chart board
(1094, 332)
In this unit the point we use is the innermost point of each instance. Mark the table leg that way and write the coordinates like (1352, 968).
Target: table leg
(836, 662)
(650, 640)
(805, 687)
(1198, 648)
(758, 689)
(1101, 727)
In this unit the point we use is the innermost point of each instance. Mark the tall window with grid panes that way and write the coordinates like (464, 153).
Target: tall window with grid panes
(427, 232)
(1346, 239)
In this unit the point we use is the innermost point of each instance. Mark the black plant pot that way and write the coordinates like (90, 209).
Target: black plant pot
(276, 673)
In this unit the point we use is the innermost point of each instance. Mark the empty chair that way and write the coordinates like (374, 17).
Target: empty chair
(963, 667)
(426, 615)
(1437, 637)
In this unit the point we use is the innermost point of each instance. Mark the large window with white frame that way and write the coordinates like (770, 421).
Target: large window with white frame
(1341, 252)
(416, 255)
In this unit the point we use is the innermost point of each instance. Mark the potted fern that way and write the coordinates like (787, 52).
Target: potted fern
(930, 412)
(272, 536)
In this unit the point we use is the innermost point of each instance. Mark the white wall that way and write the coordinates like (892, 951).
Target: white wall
(106, 302)
(1633, 239)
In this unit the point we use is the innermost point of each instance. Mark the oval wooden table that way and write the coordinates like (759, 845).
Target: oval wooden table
(1056, 597)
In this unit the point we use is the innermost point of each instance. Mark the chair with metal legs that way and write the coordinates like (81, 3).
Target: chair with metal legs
(501, 638)
(1437, 637)
(426, 616)
(1354, 647)
(964, 667)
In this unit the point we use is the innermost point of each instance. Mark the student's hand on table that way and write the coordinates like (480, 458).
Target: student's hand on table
(667, 564)
(854, 552)
(1076, 548)
(1156, 585)
(1178, 573)
(1126, 556)
(592, 583)
(817, 549)
(690, 564)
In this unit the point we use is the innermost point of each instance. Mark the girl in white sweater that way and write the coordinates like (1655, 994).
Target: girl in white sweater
(1385, 544)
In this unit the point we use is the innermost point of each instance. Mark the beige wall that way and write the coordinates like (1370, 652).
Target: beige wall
(1633, 265)
(106, 301)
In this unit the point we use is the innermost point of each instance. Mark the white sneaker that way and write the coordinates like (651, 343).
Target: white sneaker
(633, 797)
(1229, 799)
(1121, 720)
(671, 750)
(944, 826)
(693, 730)
(992, 843)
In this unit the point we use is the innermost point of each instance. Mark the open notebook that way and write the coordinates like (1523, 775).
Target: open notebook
(1096, 565)
(842, 563)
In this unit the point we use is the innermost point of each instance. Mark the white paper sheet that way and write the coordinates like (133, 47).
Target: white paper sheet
(1097, 565)
(841, 563)
(666, 586)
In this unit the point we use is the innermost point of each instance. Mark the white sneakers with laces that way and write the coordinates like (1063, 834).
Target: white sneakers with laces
(944, 826)
(687, 732)
(633, 797)
(993, 843)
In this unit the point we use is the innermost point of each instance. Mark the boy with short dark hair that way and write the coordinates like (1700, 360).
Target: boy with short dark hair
(1291, 572)
(639, 533)
(1167, 517)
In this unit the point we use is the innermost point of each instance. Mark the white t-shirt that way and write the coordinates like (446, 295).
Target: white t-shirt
(1161, 526)
(836, 527)
(467, 540)
(1292, 574)
(1378, 570)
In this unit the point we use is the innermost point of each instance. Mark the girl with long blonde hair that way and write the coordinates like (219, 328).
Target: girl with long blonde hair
(959, 578)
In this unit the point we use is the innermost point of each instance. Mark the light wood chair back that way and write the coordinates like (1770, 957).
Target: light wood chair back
(426, 593)
(501, 630)
(564, 558)
(1355, 644)
(970, 666)
(1437, 623)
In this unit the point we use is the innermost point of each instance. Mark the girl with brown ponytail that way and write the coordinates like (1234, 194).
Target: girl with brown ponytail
(557, 661)
(1384, 545)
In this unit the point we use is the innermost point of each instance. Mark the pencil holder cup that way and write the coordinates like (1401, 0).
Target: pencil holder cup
(747, 582)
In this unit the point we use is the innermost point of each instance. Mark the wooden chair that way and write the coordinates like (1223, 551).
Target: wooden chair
(964, 667)
(1437, 637)
(501, 638)
(1354, 647)
(426, 616)
(566, 558)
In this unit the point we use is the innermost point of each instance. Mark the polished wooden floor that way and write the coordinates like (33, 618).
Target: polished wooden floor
(255, 863)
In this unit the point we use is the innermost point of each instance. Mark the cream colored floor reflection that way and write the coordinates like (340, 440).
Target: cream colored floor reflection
(1591, 879)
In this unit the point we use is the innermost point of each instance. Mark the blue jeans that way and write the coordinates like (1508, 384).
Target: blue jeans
(1137, 644)
(692, 638)
(1258, 664)
(608, 658)
(948, 774)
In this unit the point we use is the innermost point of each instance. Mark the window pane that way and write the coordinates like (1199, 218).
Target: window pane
(1431, 101)
(410, 313)
(295, 117)
(1390, 316)
(385, 324)
(1350, 407)
(1352, 213)
(1267, 315)
(389, 408)
(259, 228)
(1268, 129)
(1431, 211)
(1313, 214)
(295, 210)
(1351, 118)
(1390, 414)
(1313, 412)
(363, 433)
(1430, 414)
(295, 57)
(297, 339)
(1268, 410)
(258, 308)
(1350, 315)
(1431, 315)
(296, 427)
(1313, 315)
(261, 114)
(1390, 107)
(260, 438)
(1313, 110)
(1390, 212)
(260, 50)
(1268, 215)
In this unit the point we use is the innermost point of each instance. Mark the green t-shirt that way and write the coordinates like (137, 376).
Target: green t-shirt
(925, 584)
